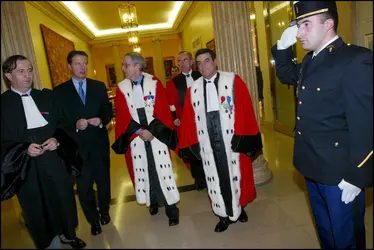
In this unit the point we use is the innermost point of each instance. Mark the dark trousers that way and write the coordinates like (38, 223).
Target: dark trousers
(197, 171)
(339, 225)
(97, 170)
(171, 211)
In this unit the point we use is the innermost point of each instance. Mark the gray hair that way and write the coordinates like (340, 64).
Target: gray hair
(187, 52)
(137, 58)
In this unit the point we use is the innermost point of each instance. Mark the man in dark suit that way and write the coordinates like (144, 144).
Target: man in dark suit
(176, 90)
(334, 126)
(86, 107)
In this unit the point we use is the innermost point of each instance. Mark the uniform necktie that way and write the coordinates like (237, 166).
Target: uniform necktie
(81, 93)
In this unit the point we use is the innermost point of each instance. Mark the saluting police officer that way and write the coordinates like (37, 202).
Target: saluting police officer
(334, 126)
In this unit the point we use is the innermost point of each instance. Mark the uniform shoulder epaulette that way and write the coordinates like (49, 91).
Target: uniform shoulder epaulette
(355, 48)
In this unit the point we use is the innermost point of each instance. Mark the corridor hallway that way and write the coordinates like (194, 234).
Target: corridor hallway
(278, 218)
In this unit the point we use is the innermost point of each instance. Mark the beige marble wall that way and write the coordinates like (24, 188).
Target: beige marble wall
(233, 41)
(118, 62)
(158, 61)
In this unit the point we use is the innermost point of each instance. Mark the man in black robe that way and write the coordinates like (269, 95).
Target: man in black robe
(176, 90)
(29, 119)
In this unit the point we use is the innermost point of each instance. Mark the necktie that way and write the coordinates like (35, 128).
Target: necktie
(134, 82)
(25, 95)
(187, 75)
(81, 93)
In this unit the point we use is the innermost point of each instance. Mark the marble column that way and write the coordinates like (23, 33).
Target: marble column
(118, 62)
(233, 42)
(16, 37)
(158, 60)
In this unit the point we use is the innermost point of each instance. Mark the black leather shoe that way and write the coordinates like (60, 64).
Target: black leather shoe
(95, 228)
(173, 222)
(222, 226)
(75, 243)
(153, 209)
(105, 219)
(243, 216)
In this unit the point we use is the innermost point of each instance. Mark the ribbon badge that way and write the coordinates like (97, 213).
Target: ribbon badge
(149, 100)
(227, 104)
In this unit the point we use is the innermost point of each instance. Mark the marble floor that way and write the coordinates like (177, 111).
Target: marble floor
(278, 218)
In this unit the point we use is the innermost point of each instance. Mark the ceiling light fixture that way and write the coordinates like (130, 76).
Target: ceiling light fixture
(75, 8)
(129, 22)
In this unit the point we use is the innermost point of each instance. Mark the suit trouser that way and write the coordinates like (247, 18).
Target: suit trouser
(197, 171)
(96, 169)
(339, 225)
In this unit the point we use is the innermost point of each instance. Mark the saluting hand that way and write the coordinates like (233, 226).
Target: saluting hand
(288, 38)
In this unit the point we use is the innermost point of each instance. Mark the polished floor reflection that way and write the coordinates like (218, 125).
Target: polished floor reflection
(278, 218)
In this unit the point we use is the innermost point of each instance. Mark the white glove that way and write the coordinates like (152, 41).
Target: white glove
(288, 38)
(349, 191)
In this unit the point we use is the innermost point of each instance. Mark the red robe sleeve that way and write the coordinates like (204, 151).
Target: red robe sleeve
(125, 125)
(248, 134)
(245, 119)
(162, 110)
(173, 99)
(188, 146)
(247, 137)
(124, 131)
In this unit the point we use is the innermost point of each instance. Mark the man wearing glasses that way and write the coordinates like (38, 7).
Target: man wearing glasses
(144, 133)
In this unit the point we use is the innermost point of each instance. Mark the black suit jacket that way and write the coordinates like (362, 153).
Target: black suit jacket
(181, 84)
(93, 140)
(334, 125)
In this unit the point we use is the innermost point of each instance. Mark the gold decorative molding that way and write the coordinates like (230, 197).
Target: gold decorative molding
(186, 6)
(122, 37)
(64, 19)
(60, 7)
(57, 11)
(109, 42)
(187, 15)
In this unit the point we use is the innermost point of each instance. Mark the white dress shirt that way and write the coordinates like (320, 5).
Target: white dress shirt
(189, 79)
(137, 93)
(212, 95)
(33, 116)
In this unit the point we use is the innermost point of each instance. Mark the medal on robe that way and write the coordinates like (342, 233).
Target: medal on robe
(149, 100)
(227, 104)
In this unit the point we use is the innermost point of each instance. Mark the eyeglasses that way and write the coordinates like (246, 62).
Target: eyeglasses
(126, 65)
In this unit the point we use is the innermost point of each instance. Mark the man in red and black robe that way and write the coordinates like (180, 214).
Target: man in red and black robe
(176, 91)
(219, 127)
(144, 133)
